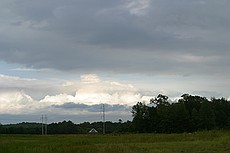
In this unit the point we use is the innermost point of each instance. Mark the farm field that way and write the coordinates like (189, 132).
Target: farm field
(199, 142)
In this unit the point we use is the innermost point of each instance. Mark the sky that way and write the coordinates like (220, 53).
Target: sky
(66, 58)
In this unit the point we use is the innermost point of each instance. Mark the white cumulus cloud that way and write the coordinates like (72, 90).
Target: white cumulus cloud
(92, 90)
(15, 97)
(15, 102)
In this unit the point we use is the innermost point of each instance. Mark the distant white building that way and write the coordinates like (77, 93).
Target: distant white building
(93, 131)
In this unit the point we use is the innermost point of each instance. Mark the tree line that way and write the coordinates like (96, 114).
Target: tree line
(66, 127)
(188, 114)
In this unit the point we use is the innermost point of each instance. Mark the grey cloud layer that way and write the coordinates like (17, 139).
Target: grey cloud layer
(173, 37)
(93, 108)
(83, 113)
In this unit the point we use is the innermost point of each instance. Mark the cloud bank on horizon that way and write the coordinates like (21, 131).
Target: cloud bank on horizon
(155, 46)
(90, 93)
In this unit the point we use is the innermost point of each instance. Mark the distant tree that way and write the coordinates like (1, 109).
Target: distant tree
(140, 117)
(127, 127)
(221, 109)
(179, 117)
(160, 100)
(65, 127)
(195, 120)
(206, 116)
(164, 121)
(192, 102)
(153, 119)
(1, 129)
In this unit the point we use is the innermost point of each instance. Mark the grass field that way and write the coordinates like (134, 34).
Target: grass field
(200, 142)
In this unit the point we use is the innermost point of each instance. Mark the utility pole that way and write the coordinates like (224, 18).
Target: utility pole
(42, 125)
(103, 118)
(45, 124)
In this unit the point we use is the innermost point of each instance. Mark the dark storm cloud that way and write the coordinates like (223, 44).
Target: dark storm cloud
(140, 36)
(93, 108)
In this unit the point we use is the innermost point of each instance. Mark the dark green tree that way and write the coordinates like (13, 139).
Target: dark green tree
(179, 117)
(194, 121)
(221, 109)
(192, 102)
(141, 117)
(160, 100)
(206, 116)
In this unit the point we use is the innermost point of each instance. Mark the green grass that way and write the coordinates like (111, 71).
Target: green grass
(200, 142)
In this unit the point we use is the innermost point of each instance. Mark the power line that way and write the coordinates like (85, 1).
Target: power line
(103, 118)
(44, 124)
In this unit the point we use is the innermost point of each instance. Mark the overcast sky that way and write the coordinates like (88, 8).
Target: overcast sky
(57, 54)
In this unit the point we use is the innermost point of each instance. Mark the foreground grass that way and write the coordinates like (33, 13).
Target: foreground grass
(200, 142)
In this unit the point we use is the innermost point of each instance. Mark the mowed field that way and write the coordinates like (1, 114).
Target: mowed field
(199, 142)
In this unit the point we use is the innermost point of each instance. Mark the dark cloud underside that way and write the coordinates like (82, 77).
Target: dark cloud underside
(141, 36)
